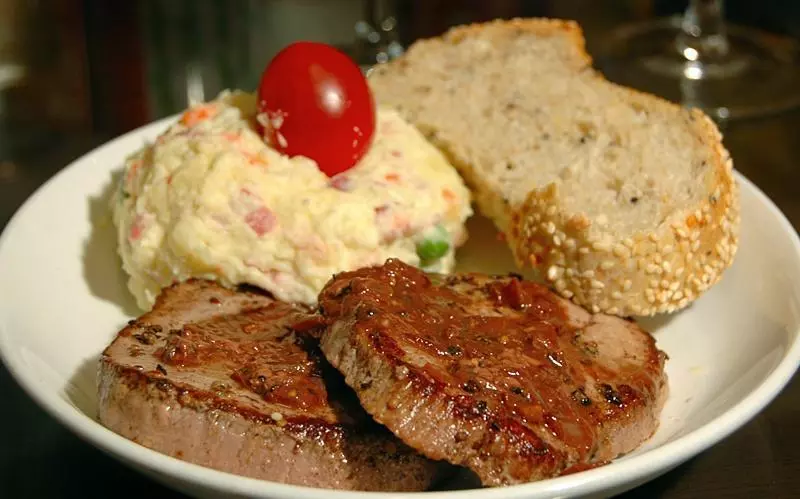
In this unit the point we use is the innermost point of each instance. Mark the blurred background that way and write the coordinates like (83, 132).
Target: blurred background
(109, 66)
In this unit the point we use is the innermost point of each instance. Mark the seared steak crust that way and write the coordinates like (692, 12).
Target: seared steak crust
(493, 373)
(222, 379)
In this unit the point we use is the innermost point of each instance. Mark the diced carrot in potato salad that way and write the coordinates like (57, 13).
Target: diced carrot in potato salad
(210, 199)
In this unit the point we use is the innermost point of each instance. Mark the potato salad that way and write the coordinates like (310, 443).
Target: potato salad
(209, 198)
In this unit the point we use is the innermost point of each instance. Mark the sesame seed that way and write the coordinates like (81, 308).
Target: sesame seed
(551, 210)
(606, 264)
(653, 237)
(665, 284)
(678, 295)
(620, 251)
(561, 284)
(695, 245)
(628, 242)
(583, 250)
(667, 249)
(569, 244)
(553, 273)
(627, 285)
(616, 295)
(569, 272)
(653, 283)
(708, 270)
(681, 233)
(556, 241)
(595, 309)
(663, 297)
(683, 302)
(588, 274)
(597, 284)
(601, 246)
(613, 310)
(567, 293)
(679, 272)
(651, 299)
(550, 227)
(651, 268)
(276, 416)
(674, 286)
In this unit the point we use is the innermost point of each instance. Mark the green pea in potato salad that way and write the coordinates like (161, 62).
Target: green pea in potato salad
(211, 199)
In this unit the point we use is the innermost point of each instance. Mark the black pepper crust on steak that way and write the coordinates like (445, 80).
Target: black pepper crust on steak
(493, 373)
(221, 379)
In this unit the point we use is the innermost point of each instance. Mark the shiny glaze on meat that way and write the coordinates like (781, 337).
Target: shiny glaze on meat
(515, 374)
(225, 380)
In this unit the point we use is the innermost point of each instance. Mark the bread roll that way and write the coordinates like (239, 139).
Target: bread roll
(624, 202)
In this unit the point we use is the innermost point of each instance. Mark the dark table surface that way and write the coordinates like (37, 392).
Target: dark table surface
(39, 458)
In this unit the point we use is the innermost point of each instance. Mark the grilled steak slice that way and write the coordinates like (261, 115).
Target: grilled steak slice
(493, 373)
(219, 378)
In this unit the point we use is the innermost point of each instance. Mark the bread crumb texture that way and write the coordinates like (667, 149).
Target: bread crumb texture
(622, 201)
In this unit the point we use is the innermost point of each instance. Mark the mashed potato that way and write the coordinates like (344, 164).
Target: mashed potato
(210, 199)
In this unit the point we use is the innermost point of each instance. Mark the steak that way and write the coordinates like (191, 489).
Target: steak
(493, 373)
(223, 379)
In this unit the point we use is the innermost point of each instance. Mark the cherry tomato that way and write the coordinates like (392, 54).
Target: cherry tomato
(313, 101)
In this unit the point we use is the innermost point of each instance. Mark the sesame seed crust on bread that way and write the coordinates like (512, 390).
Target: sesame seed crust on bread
(623, 202)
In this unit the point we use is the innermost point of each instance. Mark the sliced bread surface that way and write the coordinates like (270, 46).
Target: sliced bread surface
(622, 201)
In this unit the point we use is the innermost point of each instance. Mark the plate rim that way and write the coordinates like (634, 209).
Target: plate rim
(654, 461)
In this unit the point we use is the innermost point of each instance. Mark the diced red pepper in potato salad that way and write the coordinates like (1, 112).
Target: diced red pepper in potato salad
(209, 198)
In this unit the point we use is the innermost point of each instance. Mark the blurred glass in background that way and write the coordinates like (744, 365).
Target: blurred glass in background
(196, 48)
(104, 67)
(701, 60)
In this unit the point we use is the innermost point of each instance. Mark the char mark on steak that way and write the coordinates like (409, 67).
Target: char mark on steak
(223, 379)
(493, 373)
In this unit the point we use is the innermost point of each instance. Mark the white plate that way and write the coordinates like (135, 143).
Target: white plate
(62, 299)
